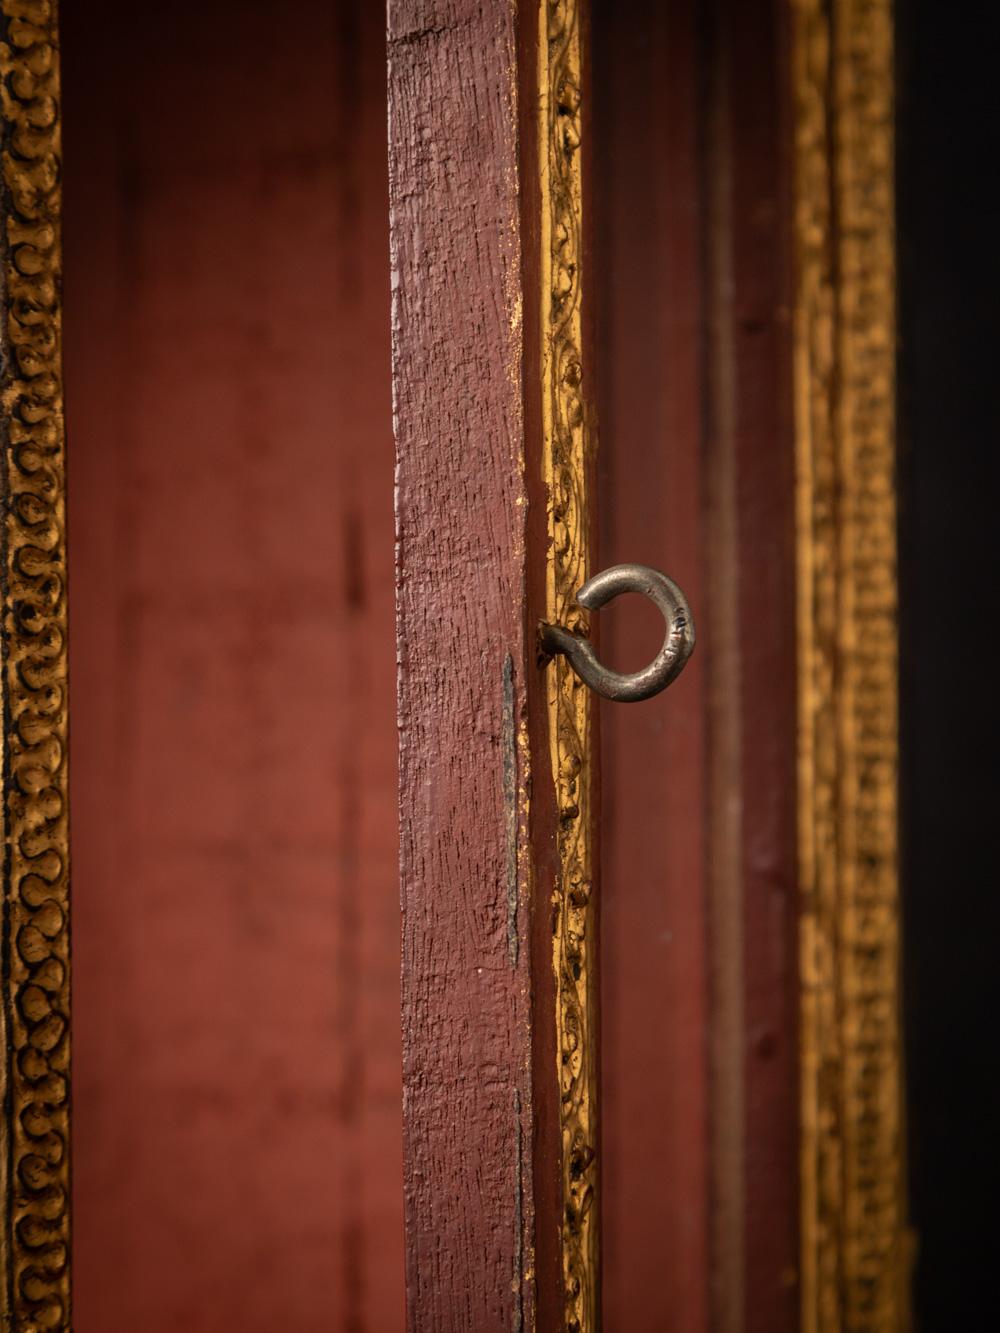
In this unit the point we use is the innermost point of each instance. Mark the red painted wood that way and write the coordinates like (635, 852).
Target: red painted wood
(481, 1163)
(654, 974)
(237, 1157)
(693, 266)
(764, 450)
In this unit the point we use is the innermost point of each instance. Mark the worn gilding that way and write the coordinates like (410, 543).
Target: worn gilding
(853, 1252)
(567, 447)
(34, 1070)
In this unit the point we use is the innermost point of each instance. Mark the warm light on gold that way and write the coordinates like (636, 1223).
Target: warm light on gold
(566, 451)
(34, 1070)
(853, 1251)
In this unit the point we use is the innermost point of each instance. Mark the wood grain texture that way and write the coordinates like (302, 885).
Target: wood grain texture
(461, 515)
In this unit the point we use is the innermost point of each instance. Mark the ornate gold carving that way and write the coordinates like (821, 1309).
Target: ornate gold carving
(34, 1166)
(853, 1261)
(567, 447)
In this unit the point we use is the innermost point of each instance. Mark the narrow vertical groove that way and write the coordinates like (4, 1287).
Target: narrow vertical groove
(724, 805)
(517, 1275)
(350, 965)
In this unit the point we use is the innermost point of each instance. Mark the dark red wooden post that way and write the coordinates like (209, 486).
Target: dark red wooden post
(481, 1128)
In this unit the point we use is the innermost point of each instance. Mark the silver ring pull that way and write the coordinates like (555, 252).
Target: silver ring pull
(668, 662)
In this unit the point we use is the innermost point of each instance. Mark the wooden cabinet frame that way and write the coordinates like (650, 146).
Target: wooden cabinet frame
(841, 79)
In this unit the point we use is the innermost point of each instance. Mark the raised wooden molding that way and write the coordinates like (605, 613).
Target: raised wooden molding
(34, 1126)
(853, 1251)
(567, 450)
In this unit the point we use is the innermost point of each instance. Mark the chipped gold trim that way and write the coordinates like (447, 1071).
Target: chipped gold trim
(34, 1071)
(566, 451)
(853, 1252)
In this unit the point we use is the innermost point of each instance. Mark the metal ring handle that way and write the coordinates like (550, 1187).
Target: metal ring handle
(668, 662)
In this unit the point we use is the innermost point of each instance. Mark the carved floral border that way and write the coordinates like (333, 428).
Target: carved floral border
(566, 453)
(34, 1128)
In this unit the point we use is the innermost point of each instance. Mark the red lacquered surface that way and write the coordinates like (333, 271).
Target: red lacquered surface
(655, 990)
(236, 1006)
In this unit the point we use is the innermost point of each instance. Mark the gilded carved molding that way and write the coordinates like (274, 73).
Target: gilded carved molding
(853, 1251)
(567, 448)
(34, 1166)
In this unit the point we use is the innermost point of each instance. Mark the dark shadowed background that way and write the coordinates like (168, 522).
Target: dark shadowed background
(949, 219)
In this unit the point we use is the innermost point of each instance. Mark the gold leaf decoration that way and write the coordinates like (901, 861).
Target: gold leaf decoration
(34, 1174)
(853, 1237)
(567, 450)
